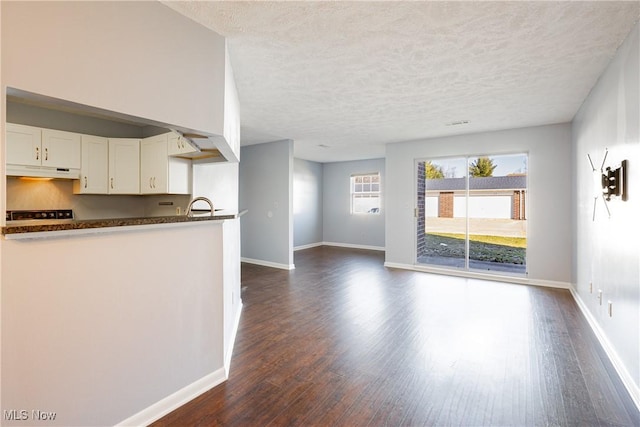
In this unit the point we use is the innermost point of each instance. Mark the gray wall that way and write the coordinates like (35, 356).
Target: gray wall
(604, 253)
(307, 202)
(549, 208)
(338, 224)
(266, 190)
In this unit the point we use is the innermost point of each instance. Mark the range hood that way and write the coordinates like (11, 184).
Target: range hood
(42, 172)
(205, 149)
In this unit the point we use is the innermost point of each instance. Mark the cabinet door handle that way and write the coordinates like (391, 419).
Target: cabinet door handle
(150, 182)
(112, 183)
(37, 153)
(154, 182)
(85, 182)
(46, 154)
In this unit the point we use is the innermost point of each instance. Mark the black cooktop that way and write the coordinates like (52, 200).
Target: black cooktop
(43, 214)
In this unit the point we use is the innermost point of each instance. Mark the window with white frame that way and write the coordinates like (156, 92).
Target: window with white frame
(365, 193)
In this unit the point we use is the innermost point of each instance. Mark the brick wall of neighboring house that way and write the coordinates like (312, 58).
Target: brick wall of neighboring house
(518, 205)
(445, 204)
(420, 241)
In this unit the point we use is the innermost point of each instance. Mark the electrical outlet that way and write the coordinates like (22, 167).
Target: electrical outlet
(610, 308)
(178, 210)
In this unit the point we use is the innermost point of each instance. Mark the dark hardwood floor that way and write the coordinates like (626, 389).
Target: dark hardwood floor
(343, 341)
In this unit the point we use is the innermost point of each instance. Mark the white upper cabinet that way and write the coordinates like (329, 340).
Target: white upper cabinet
(94, 170)
(101, 165)
(24, 145)
(33, 151)
(154, 164)
(60, 149)
(124, 166)
(179, 145)
(31, 146)
(159, 173)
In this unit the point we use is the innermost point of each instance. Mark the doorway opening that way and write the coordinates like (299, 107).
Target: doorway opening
(472, 213)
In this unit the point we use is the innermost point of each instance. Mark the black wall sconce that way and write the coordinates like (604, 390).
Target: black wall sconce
(613, 181)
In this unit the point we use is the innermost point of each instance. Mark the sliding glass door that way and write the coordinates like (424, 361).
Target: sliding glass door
(472, 213)
(445, 224)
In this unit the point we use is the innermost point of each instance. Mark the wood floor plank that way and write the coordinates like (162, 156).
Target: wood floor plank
(343, 341)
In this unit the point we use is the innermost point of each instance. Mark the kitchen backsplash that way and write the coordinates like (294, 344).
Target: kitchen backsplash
(29, 194)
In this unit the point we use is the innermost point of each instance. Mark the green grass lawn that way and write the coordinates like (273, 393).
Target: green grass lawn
(509, 250)
(514, 242)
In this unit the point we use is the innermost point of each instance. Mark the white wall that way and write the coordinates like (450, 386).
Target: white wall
(133, 319)
(607, 251)
(549, 222)
(481, 206)
(3, 120)
(266, 190)
(108, 324)
(307, 202)
(431, 206)
(137, 58)
(219, 182)
(339, 225)
(231, 111)
(232, 296)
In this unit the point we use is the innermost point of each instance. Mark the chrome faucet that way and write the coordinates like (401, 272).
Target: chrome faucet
(204, 199)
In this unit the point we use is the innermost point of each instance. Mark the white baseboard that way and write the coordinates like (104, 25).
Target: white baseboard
(268, 263)
(309, 246)
(549, 283)
(481, 276)
(618, 365)
(227, 357)
(175, 400)
(352, 246)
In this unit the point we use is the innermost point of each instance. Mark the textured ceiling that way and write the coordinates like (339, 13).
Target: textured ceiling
(342, 79)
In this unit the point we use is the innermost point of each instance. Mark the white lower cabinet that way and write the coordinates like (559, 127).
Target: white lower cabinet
(159, 173)
(124, 166)
(94, 170)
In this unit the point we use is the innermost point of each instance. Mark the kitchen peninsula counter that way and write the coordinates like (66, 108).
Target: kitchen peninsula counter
(41, 229)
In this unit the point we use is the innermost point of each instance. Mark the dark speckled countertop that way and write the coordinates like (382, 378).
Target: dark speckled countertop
(44, 226)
